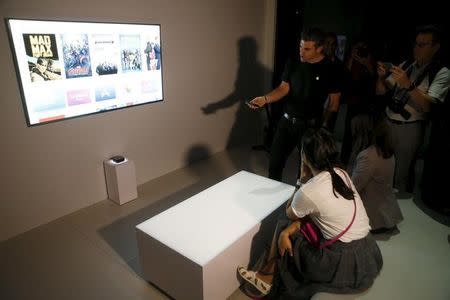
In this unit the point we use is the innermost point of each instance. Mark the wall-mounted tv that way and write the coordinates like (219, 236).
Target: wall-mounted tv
(68, 69)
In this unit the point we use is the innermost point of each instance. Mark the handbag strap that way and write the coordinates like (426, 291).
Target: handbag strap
(329, 242)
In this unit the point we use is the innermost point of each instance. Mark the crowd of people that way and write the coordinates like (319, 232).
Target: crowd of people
(352, 194)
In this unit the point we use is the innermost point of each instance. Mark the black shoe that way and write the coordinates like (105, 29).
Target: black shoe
(385, 230)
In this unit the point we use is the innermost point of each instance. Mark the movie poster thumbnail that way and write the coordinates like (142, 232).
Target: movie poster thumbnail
(42, 57)
(152, 53)
(105, 54)
(77, 61)
(130, 53)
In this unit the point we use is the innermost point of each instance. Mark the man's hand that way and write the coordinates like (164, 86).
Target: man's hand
(400, 77)
(257, 102)
(381, 70)
(208, 109)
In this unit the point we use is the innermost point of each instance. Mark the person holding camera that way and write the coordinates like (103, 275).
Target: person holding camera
(416, 85)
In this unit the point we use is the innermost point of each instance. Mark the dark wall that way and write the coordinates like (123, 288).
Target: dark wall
(288, 29)
(389, 26)
(289, 24)
(392, 28)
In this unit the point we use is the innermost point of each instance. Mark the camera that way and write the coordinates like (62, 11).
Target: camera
(398, 103)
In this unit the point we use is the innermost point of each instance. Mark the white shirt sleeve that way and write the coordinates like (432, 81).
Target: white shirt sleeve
(302, 204)
(439, 87)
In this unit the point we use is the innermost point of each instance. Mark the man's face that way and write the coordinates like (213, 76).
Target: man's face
(42, 66)
(309, 52)
(424, 49)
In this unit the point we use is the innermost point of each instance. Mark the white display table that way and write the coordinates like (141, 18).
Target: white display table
(120, 180)
(192, 250)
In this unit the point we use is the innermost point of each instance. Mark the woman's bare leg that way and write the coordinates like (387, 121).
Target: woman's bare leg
(266, 272)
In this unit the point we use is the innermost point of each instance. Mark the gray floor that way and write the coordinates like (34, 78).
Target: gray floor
(92, 253)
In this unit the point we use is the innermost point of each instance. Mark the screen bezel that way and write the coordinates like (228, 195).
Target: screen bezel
(19, 77)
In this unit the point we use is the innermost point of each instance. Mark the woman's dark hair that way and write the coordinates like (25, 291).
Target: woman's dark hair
(361, 128)
(320, 150)
(382, 139)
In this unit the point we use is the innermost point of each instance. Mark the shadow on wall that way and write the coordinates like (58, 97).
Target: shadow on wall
(196, 153)
(250, 82)
(202, 168)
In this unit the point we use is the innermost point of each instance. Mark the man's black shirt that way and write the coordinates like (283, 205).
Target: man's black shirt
(309, 86)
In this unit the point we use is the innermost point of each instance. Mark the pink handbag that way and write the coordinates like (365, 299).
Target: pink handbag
(311, 232)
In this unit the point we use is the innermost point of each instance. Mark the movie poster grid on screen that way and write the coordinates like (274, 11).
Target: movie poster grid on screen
(69, 69)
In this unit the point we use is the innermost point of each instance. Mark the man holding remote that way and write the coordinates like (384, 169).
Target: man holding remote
(307, 83)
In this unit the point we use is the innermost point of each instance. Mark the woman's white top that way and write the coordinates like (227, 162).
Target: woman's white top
(331, 214)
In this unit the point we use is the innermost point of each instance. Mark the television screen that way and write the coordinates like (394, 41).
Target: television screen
(69, 69)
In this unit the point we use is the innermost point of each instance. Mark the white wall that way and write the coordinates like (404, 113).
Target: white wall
(51, 170)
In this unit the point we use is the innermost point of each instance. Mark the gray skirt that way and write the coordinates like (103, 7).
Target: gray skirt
(339, 268)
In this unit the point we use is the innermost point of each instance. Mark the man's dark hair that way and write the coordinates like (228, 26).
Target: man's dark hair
(41, 60)
(315, 35)
(432, 29)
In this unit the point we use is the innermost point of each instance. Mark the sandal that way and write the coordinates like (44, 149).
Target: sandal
(250, 277)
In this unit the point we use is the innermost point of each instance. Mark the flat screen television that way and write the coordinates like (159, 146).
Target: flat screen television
(69, 69)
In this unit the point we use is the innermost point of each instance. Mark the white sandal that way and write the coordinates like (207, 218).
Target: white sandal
(250, 277)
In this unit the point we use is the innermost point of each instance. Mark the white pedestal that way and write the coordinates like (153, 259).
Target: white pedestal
(192, 250)
(120, 181)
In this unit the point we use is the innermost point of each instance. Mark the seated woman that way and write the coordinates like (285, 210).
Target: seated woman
(295, 268)
(373, 175)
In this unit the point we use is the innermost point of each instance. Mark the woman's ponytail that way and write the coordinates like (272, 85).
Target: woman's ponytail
(340, 186)
(320, 149)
